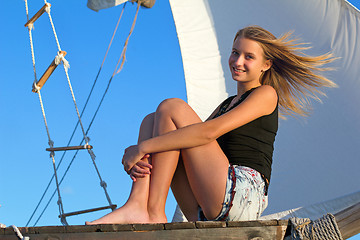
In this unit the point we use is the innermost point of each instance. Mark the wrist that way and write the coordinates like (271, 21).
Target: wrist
(141, 148)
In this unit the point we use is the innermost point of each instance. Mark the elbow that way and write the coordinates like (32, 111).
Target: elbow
(209, 135)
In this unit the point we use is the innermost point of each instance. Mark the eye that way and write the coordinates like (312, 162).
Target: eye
(233, 52)
(249, 56)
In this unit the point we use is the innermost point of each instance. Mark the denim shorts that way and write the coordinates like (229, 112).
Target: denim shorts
(245, 197)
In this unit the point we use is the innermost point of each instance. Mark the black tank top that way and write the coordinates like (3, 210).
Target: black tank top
(252, 144)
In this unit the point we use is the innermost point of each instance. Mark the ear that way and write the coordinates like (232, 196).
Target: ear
(267, 65)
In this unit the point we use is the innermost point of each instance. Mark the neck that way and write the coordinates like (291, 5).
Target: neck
(244, 87)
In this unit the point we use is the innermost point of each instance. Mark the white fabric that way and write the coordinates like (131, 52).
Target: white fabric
(317, 210)
(97, 5)
(315, 158)
(205, 82)
(178, 215)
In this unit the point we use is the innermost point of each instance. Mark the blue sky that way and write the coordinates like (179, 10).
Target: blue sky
(152, 72)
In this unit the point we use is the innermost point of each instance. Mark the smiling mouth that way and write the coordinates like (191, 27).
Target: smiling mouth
(238, 70)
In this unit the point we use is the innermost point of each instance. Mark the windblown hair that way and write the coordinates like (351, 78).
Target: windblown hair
(294, 75)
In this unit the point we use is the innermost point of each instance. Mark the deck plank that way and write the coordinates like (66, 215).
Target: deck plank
(268, 229)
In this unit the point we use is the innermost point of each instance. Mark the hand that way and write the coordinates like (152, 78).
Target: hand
(131, 156)
(140, 169)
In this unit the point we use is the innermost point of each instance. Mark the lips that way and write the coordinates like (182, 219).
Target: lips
(237, 70)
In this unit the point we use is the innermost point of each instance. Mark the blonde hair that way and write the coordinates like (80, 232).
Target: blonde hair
(295, 76)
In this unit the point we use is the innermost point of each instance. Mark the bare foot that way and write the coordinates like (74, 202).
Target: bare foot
(126, 214)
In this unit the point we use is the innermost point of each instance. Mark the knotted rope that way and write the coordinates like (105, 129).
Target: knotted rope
(324, 228)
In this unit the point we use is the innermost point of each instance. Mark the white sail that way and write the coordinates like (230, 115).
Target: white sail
(317, 210)
(315, 158)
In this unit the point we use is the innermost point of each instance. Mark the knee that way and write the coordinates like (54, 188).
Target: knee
(149, 119)
(171, 105)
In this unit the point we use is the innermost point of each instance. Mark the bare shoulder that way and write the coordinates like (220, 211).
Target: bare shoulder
(267, 91)
(266, 96)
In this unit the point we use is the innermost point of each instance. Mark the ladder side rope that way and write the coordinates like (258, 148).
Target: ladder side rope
(27, 10)
(61, 180)
(60, 58)
(92, 155)
(73, 133)
(102, 182)
(35, 80)
(59, 202)
(47, 9)
(75, 104)
(50, 142)
(32, 55)
(30, 27)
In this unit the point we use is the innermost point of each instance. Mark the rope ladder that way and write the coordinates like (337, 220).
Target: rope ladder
(37, 85)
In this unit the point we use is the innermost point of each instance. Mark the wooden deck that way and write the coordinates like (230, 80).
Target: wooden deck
(268, 229)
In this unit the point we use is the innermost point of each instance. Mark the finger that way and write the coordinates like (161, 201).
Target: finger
(140, 170)
(126, 170)
(144, 164)
(137, 175)
(146, 156)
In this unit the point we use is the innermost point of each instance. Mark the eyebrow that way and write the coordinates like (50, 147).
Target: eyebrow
(250, 53)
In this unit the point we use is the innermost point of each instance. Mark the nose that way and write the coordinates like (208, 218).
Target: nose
(238, 60)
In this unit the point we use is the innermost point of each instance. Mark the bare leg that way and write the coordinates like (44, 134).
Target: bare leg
(206, 170)
(164, 165)
(183, 194)
(135, 209)
(206, 166)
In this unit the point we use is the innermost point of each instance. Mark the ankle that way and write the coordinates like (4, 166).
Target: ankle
(157, 215)
(158, 218)
(134, 203)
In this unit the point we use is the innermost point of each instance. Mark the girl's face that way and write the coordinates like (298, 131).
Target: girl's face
(247, 61)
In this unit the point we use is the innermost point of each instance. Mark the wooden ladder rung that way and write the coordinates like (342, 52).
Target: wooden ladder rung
(69, 148)
(47, 74)
(37, 15)
(112, 207)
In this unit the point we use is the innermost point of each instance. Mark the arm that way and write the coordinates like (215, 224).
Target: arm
(260, 102)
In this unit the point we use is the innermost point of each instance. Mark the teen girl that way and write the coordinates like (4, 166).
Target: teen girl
(220, 169)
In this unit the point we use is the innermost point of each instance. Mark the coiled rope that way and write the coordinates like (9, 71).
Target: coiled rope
(324, 228)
